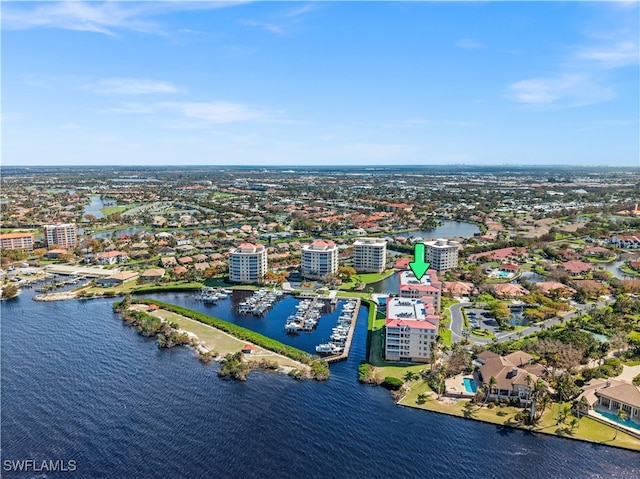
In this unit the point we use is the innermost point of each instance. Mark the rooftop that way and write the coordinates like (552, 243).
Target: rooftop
(428, 282)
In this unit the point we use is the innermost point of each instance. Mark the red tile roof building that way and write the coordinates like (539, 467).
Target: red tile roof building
(410, 330)
(22, 241)
(428, 288)
(248, 263)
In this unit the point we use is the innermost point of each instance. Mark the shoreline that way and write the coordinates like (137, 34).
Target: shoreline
(260, 353)
(226, 341)
(426, 406)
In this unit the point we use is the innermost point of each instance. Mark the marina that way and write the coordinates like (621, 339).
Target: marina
(212, 295)
(337, 348)
(260, 302)
(306, 316)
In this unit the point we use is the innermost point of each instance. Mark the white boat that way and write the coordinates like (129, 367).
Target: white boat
(292, 326)
(327, 348)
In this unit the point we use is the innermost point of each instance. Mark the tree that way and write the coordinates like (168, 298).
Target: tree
(582, 405)
(346, 272)
(489, 388)
(459, 361)
(10, 291)
(618, 342)
(621, 416)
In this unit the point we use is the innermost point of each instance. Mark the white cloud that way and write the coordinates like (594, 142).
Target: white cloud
(218, 112)
(269, 27)
(135, 86)
(564, 91)
(101, 17)
(470, 43)
(133, 108)
(132, 86)
(614, 56)
(309, 7)
(209, 112)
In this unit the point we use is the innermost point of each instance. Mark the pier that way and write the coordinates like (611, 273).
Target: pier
(307, 317)
(347, 345)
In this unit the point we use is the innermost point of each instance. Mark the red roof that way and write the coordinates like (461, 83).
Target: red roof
(323, 244)
(402, 263)
(576, 266)
(510, 266)
(248, 347)
(110, 254)
(418, 287)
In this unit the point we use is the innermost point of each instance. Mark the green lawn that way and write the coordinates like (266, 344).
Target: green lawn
(109, 210)
(132, 287)
(482, 333)
(588, 429)
(350, 294)
(365, 278)
(445, 334)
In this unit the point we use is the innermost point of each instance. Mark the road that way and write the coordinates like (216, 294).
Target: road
(457, 323)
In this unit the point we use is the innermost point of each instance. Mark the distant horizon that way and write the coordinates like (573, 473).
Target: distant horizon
(330, 166)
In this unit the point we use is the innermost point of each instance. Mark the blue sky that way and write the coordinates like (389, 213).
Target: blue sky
(297, 83)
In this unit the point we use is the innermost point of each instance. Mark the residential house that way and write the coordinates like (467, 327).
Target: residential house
(111, 257)
(153, 274)
(514, 374)
(117, 279)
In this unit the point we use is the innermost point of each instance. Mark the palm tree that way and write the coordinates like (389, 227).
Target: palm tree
(583, 404)
(621, 416)
(489, 388)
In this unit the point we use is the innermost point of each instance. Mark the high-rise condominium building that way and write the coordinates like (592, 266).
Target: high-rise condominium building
(319, 259)
(369, 255)
(248, 263)
(65, 235)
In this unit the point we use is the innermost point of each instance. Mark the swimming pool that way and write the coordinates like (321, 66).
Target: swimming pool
(614, 417)
(502, 274)
(469, 385)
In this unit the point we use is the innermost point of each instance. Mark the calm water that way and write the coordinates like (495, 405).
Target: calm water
(391, 285)
(78, 384)
(94, 207)
(447, 229)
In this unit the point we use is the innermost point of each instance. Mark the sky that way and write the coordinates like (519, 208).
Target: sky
(324, 83)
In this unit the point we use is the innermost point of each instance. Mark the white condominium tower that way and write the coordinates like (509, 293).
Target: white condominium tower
(369, 255)
(442, 254)
(248, 263)
(64, 235)
(319, 259)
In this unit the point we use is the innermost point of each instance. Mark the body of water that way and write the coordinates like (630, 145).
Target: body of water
(614, 268)
(126, 231)
(447, 229)
(79, 385)
(94, 207)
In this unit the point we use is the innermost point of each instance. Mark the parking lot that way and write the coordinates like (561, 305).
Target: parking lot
(481, 318)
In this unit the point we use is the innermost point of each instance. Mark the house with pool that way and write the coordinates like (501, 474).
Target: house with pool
(515, 374)
(605, 397)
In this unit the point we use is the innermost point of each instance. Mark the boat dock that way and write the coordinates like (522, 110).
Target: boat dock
(344, 354)
(307, 317)
(260, 302)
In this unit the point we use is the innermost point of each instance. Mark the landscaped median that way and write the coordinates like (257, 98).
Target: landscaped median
(318, 368)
